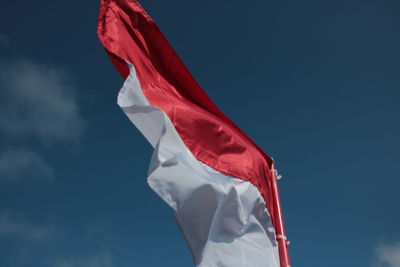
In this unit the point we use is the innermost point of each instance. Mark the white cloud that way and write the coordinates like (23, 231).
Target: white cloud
(18, 164)
(17, 227)
(101, 259)
(37, 100)
(388, 255)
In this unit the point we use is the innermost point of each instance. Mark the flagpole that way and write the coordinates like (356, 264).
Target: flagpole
(280, 227)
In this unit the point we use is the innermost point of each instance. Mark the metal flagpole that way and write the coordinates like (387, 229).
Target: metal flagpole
(281, 238)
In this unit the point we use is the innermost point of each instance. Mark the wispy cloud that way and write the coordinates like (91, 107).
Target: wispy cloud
(16, 226)
(101, 259)
(18, 164)
(387, 255)
(30, 241)
(38, 100)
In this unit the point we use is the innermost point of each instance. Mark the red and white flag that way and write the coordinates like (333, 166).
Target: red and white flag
(220, 183)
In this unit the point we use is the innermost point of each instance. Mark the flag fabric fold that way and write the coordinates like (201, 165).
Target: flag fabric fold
(215, 178)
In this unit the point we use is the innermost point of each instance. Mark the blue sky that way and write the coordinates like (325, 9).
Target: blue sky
(315, 83)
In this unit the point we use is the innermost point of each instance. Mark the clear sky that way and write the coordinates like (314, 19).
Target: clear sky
(315, 83)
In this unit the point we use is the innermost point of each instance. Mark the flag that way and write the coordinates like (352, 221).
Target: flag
(221, 185)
